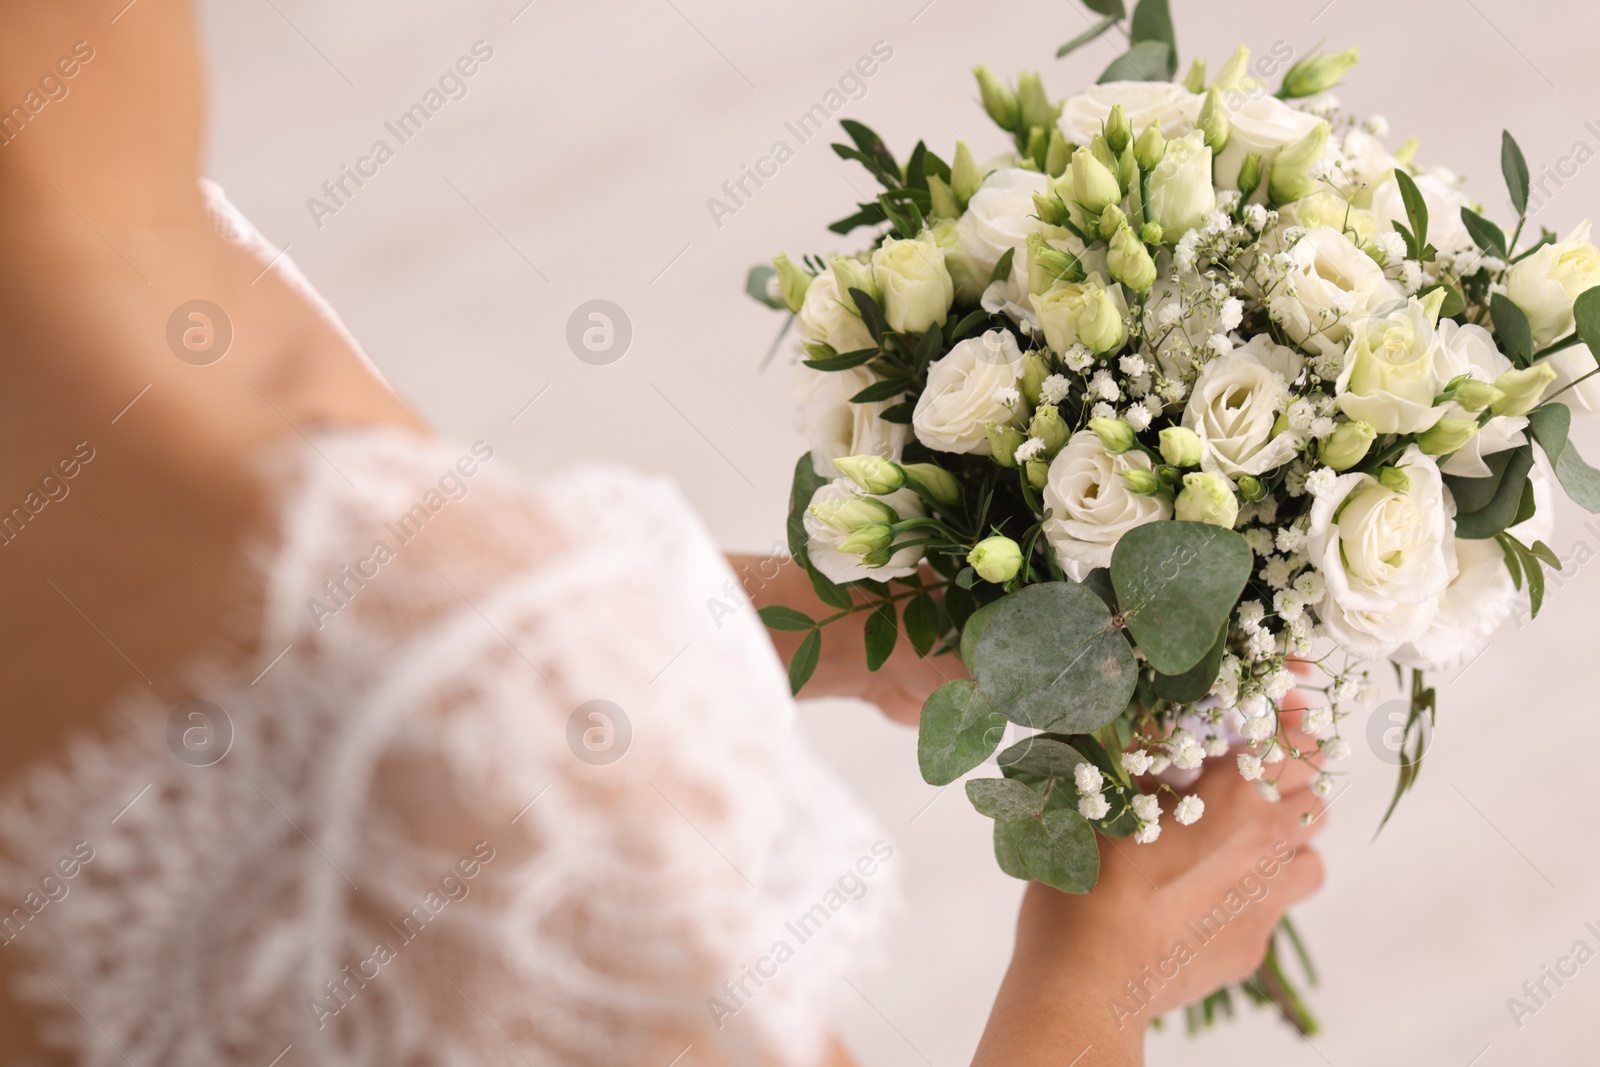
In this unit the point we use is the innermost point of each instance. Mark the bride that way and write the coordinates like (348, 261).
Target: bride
(328, 741)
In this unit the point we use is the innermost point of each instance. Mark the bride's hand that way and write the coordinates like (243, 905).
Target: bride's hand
(1168, 923)
(898, 687)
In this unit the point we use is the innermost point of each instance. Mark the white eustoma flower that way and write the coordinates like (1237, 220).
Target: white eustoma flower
(1263, 125)
(1546, 283)
(1171, 106)
(1181, 194)
(1480, 596)
(823, 536)
(1391, 371)
(1381, 553)
(1334, 285)
(960, 394)
(1234, 406)
(1091, 504)
(1367, 162)
(836, 428)
(999, 218)
(1442, 194)
(826, 319)
(914, 282)
(1471, 350)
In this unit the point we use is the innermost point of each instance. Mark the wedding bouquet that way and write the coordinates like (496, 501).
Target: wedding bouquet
(1194, 380)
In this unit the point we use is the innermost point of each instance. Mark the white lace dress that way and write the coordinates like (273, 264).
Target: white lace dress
(414, 849)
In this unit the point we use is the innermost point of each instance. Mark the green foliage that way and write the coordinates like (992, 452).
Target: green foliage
(1059, 850)
(1586, 313)
(880, 634)
(1094, 31)
(1416, 234)
(1152, 23)
(870, 152)
(959, 730)
(1454, 303)
(1511, 329)
(1485, 506)
(1045, 755)
(1049, 658)
(778, 617)
(1550, 426)
(921, 621)
(1146, 61)
(1515, 169)
(805, 660)
(1176, 584)
(1485, 234)
(1413, 740)
(844, 360)
(1196, 682)
(1005, 799)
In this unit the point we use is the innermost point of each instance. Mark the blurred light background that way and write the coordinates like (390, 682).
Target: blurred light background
(578, 166)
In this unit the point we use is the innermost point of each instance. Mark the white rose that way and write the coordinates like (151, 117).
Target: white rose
(823, 537)
(960, 394)
(1235, 403)
(1546, 283)
(1390, 375)
(1470, 350)
(825, 319)
(1091, 505)
(915, 285)
(1172, 106)
(1441, 193)
(1480, 596)
(1181, 194)
(834, 427)
(1334, 284)
(1381, 555)
(1263, 125)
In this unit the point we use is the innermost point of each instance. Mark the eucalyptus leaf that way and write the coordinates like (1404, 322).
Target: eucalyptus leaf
(1586, 314)
(1511, 329)
(1152, 21)
(1005, 799)
(1177, 583)
(1515, 169)
(959, 730)
(1147, 61)
(1043, 754)
(1485, 234)
(1501, 510)
(1048, 658)
(1196, 682)
(1007, 839)
(1551, 425)
(1060, 851)
(1474, 494)
(1092, 33)
(977, 622)
(1107, 8)
(1416, 208)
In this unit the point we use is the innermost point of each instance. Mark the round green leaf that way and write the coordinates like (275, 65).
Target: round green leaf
(959, 729)
(1060, 851)
(1196, 682)
(1049, 658)
(1043, 755)
(1177, 583)
(977, 622)
(1004, 799)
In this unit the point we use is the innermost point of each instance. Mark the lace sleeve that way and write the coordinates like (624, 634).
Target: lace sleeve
(535, 803)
